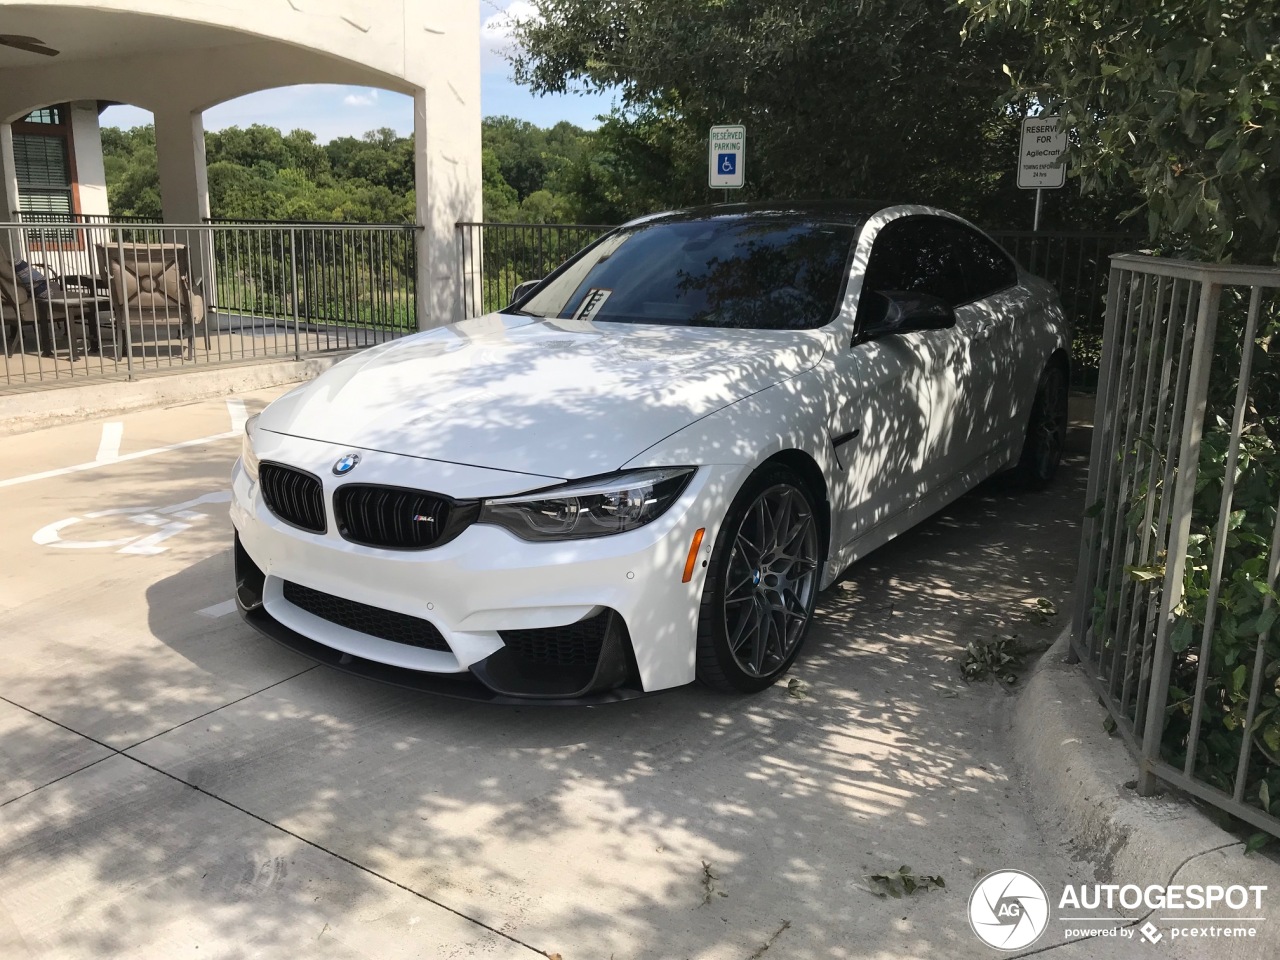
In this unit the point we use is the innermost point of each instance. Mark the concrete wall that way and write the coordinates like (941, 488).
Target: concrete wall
(86, 139)
(429, 49)
(8, 175)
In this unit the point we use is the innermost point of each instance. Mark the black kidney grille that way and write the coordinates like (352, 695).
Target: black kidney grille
(573, 645)
(363, 618)
(392, 517)
(294, 496)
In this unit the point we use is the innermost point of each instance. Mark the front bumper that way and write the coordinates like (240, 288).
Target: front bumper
(465, 686)
(480, 586)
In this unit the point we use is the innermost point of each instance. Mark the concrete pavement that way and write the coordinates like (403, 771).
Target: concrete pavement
(174, 785)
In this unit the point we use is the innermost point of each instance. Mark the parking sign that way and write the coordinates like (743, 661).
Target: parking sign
(1043, 142)
(727, 157)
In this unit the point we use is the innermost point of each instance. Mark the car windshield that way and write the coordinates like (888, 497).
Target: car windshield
(739, 272)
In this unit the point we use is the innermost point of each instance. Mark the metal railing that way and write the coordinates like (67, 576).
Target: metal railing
(1175, 608)
(231, 292)
(494, 258)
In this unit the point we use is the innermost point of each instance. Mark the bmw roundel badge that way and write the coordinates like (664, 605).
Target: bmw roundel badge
(346, 464)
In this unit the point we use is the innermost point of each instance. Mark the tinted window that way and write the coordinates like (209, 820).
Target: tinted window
(937, 256)
(919, 255)
(745, 272)
(987, 268)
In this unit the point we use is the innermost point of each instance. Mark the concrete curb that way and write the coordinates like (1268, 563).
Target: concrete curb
(1077, 773)
(36, 409)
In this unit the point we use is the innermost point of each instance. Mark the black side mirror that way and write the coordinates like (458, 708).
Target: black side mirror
(522, 290)
(907, 312)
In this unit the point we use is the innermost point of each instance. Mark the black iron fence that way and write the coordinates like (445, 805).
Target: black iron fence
(1077, 264)
(494, 258)
(84, 299)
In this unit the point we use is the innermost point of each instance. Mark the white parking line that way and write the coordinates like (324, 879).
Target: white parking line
(109, 445)
(45, 475)
(218, 609)
(235, 409)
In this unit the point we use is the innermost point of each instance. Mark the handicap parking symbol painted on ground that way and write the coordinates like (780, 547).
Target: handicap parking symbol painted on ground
(170, 520)
(727, 163)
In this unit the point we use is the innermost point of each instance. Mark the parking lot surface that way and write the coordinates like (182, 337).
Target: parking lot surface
(174, 785)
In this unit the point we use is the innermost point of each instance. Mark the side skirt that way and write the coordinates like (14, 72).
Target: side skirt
(922, 509)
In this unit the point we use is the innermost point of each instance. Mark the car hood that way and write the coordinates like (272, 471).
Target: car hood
(555, 398)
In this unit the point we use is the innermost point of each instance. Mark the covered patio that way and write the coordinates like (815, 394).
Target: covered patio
(220, 291)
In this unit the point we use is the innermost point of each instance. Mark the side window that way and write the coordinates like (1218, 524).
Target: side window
(916, 255)
(934, 255)
(987, 269)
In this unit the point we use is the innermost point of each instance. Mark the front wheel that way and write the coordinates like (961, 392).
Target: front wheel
(1047, 430)
(762, 584)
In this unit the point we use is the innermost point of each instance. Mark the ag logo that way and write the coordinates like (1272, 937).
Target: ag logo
(1008, 910)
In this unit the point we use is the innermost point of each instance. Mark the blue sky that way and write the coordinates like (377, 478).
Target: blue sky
(333, 111)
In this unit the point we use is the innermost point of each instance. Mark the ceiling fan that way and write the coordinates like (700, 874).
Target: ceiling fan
(29, 44)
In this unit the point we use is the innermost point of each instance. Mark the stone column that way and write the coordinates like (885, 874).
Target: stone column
(184, 193)
(441, 48)
(184, 184)
(8, 175)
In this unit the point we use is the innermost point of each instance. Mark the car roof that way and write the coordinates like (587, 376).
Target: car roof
(852, 212)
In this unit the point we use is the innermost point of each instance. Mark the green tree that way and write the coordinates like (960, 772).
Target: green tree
(880, 99)
(501, 203)
(257, 173)
(129, 160)
(1177, 101)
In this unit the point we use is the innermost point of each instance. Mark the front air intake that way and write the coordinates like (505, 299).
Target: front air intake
(365, 618)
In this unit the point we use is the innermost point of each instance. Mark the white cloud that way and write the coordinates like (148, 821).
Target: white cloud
(496, 31)
(361, 99)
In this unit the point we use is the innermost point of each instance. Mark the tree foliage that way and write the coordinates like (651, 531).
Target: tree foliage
(530, 174)
(1178, 100)
(875, 99)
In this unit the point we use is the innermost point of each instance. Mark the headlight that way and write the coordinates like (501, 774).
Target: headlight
(595, 508)
(247, 456)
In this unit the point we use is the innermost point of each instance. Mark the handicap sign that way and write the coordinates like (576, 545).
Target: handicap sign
(727, 157)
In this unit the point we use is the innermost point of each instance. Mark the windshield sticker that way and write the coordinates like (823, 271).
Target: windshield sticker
(592, 303)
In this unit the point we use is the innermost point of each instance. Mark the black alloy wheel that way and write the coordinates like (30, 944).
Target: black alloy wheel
(762, 584)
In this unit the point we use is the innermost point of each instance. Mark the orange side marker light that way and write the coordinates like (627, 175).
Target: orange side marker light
(693, 555)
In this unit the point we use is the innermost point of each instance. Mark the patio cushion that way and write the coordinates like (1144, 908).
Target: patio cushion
(151, 290)
(148, 284)
(14, 297)
(32, 279)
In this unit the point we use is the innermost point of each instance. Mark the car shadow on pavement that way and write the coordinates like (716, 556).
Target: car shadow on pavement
(684, 824)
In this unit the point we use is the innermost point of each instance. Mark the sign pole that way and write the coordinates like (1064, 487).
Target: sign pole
(1040, 150)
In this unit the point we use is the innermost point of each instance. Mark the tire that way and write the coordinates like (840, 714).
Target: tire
(756, 609)
(1046, 430)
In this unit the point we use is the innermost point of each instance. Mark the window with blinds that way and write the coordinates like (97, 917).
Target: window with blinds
(43, 174)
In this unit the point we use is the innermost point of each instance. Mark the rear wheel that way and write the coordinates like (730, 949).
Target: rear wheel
(762, 584)
(1046, 431)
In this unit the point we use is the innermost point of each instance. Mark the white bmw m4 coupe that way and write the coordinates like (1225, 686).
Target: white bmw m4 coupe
(643, 471)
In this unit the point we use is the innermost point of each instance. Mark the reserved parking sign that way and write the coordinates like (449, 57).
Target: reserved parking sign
(727, 157)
